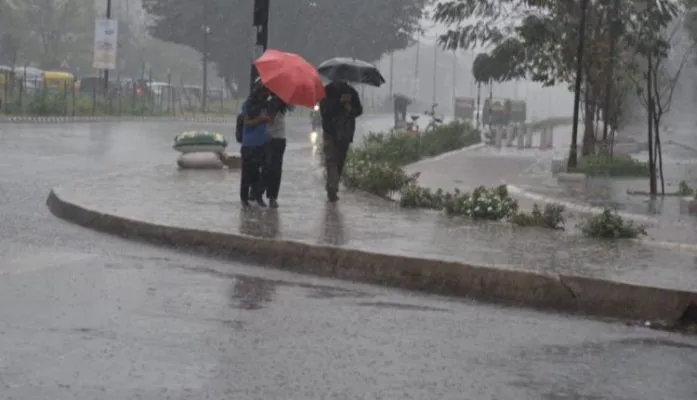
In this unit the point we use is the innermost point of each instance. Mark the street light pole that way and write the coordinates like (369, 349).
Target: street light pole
(573, 149)
(261, 23)
(106, 70)
(435, 70)
(391, 75)
(204, 99)
(454, 76)
(206, 31)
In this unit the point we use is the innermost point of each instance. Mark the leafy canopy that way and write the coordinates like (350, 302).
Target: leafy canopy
(316, 29)
(538, 38)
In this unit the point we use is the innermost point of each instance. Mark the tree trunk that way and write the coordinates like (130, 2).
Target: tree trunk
(609, 76)
(573, 153)
(658, 151)
(588, 145)
(479, 103)
(650, 114)
(491, 100)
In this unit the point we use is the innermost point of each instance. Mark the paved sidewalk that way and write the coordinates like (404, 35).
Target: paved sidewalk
(666, 219)
(207, 200)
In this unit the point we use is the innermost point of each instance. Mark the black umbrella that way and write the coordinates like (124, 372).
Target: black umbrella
(351, 70)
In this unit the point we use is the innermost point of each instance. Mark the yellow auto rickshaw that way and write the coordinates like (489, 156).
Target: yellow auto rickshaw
(7, 76)
(58, 80)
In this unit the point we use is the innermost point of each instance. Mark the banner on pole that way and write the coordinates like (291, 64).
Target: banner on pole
(106, 35)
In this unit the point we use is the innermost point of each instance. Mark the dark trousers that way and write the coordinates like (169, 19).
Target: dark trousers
(251, 183)
(273, 169)
(335, 150)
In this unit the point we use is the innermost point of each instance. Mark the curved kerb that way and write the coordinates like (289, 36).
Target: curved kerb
(562, 293)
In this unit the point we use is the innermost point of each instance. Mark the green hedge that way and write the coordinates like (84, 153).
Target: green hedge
(615, 166)
(375, 166)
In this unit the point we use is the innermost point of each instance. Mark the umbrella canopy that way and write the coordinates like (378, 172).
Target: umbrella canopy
(351, 70)
(290, 77)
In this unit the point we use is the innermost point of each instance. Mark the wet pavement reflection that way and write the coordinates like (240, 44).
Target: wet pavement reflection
(89, 316)
(364, 222)
(170, 325)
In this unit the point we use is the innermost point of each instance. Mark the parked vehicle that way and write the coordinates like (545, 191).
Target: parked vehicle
(30, 79)
(59, 80)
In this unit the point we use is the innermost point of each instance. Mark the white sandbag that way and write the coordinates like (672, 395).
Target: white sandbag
(200, 161)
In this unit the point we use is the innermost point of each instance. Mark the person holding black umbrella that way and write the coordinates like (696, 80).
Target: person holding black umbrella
(339, 110)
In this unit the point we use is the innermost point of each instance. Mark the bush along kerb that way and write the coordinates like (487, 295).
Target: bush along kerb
(375, 166)
(615, 166)
(609, 225)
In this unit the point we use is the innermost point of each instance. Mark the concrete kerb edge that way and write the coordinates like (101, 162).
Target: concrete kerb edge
(520, 288)
(685, 247)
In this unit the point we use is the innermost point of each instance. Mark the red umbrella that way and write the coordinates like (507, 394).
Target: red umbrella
(290, 77)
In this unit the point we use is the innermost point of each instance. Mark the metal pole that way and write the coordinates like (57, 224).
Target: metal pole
(204, 60)
(454, 78)
(261, 23)
(416, 67)
(391, 75)
(435, 69)
(204, 99)
(106, 70)
(573, 156)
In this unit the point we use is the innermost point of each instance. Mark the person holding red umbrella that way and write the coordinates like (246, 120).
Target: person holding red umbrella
(255, 137)
(292, 81)
(275, 149)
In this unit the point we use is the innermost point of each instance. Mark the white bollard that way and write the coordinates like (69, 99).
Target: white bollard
(512, 133)
(498, 135)
(528, 137)
(550, 138)
(521, 136)
(543, 138)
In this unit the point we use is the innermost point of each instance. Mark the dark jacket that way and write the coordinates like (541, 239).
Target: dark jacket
(336, 121)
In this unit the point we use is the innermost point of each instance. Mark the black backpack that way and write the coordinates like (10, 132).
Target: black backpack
(239, 128)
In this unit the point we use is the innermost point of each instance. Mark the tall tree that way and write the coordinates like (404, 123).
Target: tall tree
(656, 81)
(11, 35)
(317, 29)
(544, 34)
(61, 28)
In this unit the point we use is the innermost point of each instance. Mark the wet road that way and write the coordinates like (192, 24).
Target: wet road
(90, 316)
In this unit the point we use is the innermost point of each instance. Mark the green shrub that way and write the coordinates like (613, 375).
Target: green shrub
(617, 166)
(685, 190)
(375, 164)
(379, 178)
(482, 203)
(552, 217)
(448, 137)
(609, 225)
(415, 196)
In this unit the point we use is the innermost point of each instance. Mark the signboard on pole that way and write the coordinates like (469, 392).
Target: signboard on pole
(106, 35)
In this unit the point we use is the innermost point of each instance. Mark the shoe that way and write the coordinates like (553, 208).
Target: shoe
(261, 203)
(273, 203)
